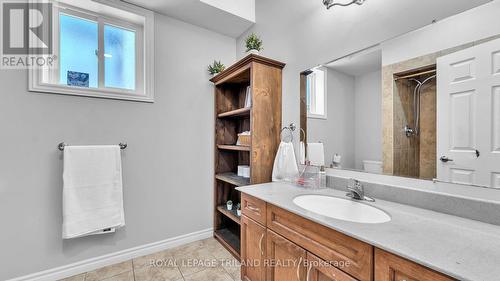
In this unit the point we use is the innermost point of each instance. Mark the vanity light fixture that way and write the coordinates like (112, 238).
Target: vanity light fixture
(331, 3)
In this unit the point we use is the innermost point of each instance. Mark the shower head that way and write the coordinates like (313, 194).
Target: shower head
(330, 3)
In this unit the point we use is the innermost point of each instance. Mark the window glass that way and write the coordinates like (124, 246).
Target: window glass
(78, 44)
(316, 102)
(119, 58)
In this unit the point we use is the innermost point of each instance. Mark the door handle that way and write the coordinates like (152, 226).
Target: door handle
(445, 159)
(298, 269)
(309, 271)
(478, 153)
(260, 245)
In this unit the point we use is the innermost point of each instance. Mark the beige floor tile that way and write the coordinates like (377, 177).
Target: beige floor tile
(234, 271)
(224, 257)
(193, 257)
(216, 249)
(109, 271)
(160, 258)
(80, 277)
(125, 276)
(212, 274)
(151, 273)
(197, 248)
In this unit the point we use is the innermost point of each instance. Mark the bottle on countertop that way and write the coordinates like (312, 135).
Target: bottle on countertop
(322, 177)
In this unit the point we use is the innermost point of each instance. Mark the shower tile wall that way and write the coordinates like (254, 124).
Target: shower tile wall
(428, 115)
(406, 149)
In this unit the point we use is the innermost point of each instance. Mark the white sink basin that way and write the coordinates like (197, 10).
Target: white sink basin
(342, 209)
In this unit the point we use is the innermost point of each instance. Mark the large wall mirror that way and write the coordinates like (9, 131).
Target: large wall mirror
(425, 105)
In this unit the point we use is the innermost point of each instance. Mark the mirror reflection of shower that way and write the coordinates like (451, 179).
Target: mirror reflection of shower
(415, 121)
(417, 93)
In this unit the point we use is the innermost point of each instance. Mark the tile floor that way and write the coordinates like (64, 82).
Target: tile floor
(204, 260)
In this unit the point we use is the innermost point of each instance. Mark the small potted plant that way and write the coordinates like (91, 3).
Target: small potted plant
(216, 68)
(253, 44)
(238, 209)
(229, 205)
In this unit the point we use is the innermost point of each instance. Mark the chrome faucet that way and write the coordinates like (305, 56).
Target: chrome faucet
(356, 191)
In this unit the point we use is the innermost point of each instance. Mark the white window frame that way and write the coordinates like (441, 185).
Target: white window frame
(325, 94)
(47, 80)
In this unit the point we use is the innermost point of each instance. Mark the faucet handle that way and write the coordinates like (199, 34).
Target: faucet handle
(354, 183)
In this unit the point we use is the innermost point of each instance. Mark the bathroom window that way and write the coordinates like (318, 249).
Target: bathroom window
(316, 94)
(105, 52)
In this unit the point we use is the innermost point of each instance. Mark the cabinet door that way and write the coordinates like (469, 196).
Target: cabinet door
(253, 249)
(320, 270)
(286, 261)
(389, 267)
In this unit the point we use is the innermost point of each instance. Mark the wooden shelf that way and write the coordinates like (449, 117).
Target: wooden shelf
(233, 147)
(230, 214)
(229, 240)
(263, 119)
(242, 112)
(233, 179)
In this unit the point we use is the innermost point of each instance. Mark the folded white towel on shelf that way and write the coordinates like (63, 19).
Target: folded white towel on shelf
(92, 192)
(285, 164)
(316, 154)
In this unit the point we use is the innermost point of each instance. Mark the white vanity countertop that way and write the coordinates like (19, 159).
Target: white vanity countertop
(461, 248)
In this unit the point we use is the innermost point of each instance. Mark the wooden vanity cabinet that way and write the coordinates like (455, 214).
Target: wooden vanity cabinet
(286, 260)
(351, 255)
(288, 247)
(253, 250)
(389, 267)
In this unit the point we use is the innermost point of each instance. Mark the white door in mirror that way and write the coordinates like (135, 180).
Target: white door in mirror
(468, 119)
(341, 209)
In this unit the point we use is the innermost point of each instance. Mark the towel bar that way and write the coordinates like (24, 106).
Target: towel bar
(62, 145)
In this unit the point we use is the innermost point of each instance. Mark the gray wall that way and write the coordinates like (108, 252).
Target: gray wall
(167, 169)
(368, 118)
(337, 131)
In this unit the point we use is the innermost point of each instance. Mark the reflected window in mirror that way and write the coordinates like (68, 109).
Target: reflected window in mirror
(316, 94)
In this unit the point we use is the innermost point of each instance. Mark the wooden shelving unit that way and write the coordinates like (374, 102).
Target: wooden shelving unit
(262, 119)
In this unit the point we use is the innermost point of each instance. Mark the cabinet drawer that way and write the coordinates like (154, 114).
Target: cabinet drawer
(350, 255)
(253, 208)
(320, 270)
(389, 267)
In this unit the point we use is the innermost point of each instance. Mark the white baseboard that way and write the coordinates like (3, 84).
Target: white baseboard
(109, 259)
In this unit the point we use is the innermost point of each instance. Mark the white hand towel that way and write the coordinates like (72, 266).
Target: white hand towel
(316, 154)
(285, 164)
(92, 193)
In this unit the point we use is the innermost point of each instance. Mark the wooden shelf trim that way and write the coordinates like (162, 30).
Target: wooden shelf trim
(236, 113)
(238, 67)
(230, 214)
(233, 179)
(233, 147)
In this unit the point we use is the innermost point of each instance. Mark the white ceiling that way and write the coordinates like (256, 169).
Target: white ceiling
(201, 13)
(360, 63)
(388, 14)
